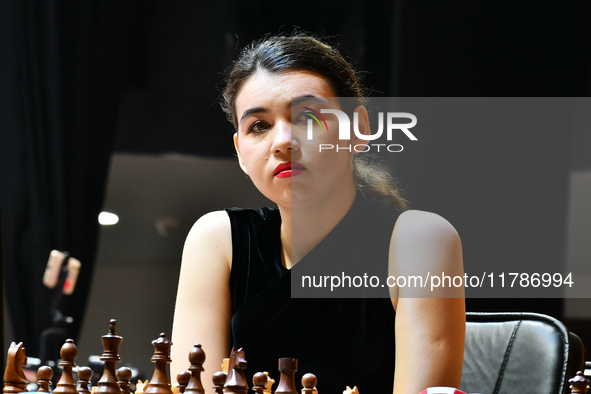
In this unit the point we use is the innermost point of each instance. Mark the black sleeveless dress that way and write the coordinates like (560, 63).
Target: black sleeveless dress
(344, 342)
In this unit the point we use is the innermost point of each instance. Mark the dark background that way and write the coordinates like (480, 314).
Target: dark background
(80, 81)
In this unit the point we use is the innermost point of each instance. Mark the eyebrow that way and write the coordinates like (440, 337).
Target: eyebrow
(294, 101)
(302, 99)
(252, 111)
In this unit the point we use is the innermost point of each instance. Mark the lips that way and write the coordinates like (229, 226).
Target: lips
(288, 169)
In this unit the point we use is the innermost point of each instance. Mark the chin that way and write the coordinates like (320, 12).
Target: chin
(282, 199)
(303, 199)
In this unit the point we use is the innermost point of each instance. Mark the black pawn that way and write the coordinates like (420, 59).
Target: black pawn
(309, 381)
(123, 377)
(84, 376)
(182, 380)
(260, 382)
(66, 383)
(44, 374)
(111, 343)
(219, 378)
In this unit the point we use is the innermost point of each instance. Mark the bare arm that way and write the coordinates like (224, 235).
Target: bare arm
(203, 305)
(429, 331)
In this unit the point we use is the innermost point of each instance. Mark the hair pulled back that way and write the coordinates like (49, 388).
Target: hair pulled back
(301, 52)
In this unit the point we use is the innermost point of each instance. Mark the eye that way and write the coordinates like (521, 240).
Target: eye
(310, 116)
(259, 126)
(303, 117)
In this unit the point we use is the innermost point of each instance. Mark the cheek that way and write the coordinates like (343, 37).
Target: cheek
(250, 154)
(329, 158)
(246, 152)
(329, 140)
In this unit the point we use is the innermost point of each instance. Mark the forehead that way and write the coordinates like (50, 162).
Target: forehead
(264, 89)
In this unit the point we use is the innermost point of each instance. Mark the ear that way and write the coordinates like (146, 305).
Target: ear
(363, 125)
(238, 154)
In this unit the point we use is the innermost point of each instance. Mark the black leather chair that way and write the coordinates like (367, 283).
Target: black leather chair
(509, 353)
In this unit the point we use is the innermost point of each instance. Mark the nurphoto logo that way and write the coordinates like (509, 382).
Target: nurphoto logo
(345, 129)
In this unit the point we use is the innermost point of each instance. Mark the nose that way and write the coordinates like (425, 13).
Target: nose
(283, 140)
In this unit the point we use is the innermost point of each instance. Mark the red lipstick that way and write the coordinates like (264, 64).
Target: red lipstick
(288, 169)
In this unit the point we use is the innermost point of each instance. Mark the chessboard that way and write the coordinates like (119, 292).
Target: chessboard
(230, 380)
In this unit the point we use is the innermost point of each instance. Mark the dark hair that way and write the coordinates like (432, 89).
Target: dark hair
(300, 52)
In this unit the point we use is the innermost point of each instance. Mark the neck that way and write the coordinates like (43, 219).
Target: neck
(303, 228)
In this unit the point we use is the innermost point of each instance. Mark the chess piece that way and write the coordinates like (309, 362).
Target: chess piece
(123, 378)
(66, 383)
(288, 368)
(235, 381)
(309, 381)
(14, 376)
(260, 382)
(269, 385)
(219, 378)
(44, 375)
(196, 359)
(111, 342)
(159, 384)
(84, 376)
(140, 386)
(182, 379)
(350, 390)
(578, 384)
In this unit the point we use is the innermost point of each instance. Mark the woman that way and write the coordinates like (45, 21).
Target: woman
(234, 282)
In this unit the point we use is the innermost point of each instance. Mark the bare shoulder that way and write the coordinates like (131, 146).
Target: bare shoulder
(426, 240)
(210, 236)
(421, 224)
(216, 222)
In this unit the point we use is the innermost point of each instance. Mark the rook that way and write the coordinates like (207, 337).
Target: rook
(288, 368)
